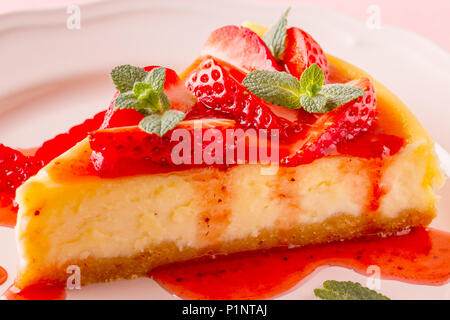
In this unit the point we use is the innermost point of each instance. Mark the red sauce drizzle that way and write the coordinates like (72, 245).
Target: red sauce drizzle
(421, 257)
(35, 292)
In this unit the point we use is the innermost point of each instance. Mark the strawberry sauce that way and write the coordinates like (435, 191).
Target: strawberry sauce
(36, 292)
(421, 257)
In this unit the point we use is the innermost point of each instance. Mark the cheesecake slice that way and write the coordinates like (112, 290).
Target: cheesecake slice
(125, 226)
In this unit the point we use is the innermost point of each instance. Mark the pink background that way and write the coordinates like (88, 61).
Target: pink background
(429, 18)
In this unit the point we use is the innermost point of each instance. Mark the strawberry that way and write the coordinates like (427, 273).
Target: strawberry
(240, 47)
(119, 118)
(302, 51)
(130, 150)
(341, 124)
(15, 169)
(218, 90)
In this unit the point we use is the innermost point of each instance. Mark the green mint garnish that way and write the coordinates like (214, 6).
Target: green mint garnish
(279, 88)
(276, 36)
(312, 80)
(144, 92)
(285, 90)
(161, 123)
(346, 290)
(125, 76)
(340, 94)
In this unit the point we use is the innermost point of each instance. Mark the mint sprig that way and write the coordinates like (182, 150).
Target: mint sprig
(285, 90)
(276, 36)
(125, 76)
(144, 92)
(346, 290)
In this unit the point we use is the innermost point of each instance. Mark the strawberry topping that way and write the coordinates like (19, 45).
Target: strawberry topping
(341, 124)
(219, 91)
(301, 52)
(130, 150)
(240, 47)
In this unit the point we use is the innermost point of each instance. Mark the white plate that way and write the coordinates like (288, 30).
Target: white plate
(53, 78)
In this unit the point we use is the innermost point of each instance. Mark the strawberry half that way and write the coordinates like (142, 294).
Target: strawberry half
(302, 51)
(130, 150)
(240, 47)
(341, 124)
(15, 169)
(218, 90)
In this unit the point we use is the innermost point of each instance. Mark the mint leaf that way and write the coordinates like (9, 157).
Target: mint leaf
(125, 76)
(312, 80)
(128, 100)
(316, 104)
(161, 123)
(339, 94)
(285, 90)
(144, 91)
(346, 290)
(279, 88)
(150, 92)
(156, 78)
(276, 36)
(164, 101)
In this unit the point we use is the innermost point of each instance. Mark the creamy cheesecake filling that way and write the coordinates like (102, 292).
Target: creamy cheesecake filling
(105, 218)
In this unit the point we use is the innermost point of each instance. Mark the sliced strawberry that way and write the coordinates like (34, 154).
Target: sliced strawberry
(130, 150)
(120, 117)
(219, 91)
(15, 169)
(240, 47)
(302, 51)
(331, 128)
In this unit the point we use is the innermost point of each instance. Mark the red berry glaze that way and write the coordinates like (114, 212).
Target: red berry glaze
(371, 145)
(341, 124)
(15, 169)
(302, 51)
(240, 47)
(218, 90)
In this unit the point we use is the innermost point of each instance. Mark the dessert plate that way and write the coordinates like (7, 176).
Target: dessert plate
(56, 76)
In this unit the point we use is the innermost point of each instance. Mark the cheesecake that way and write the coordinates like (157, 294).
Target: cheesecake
(117, 205)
